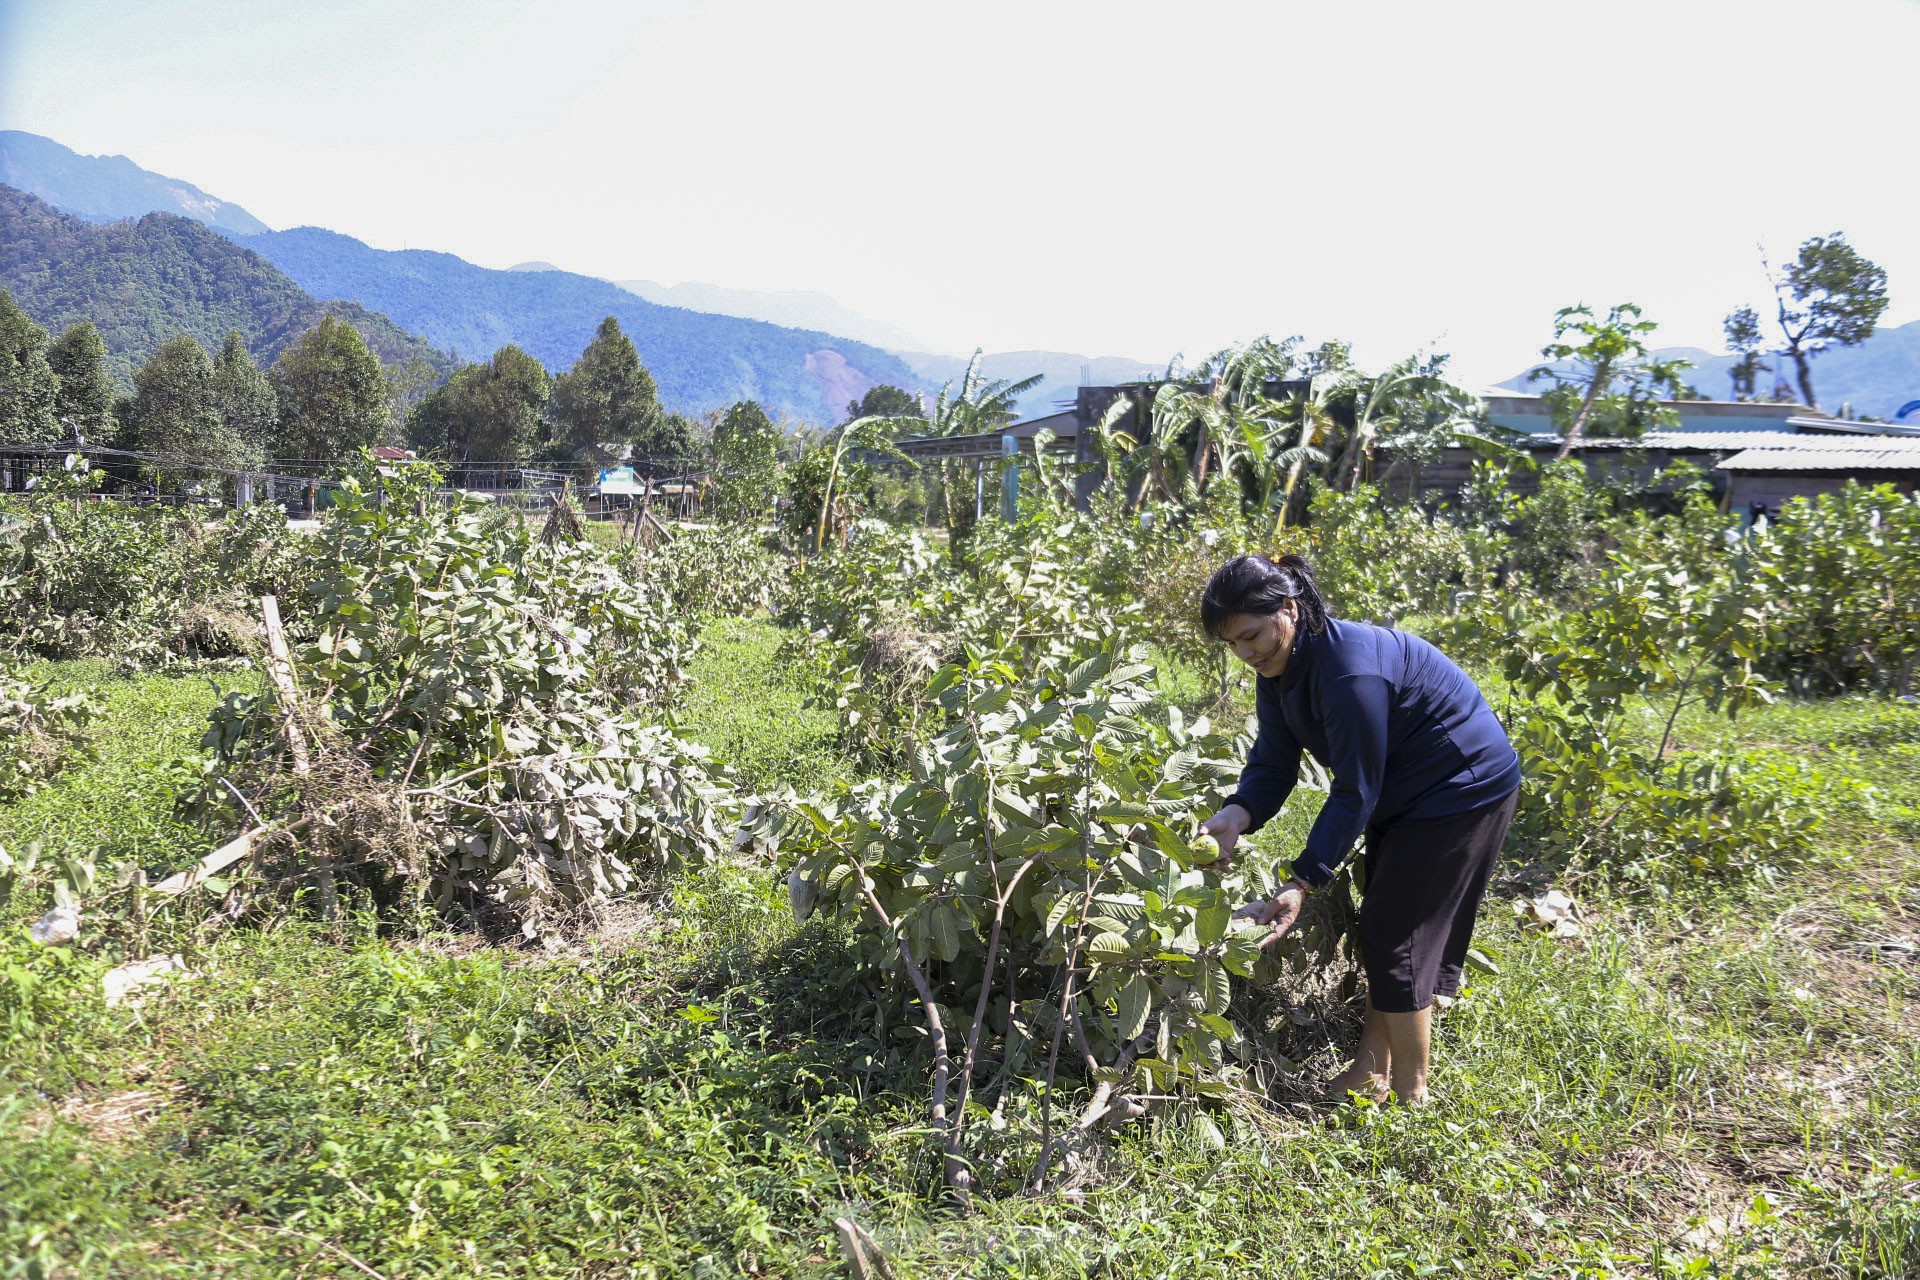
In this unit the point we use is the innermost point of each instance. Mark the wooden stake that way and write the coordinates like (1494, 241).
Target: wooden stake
(850, 1245)
(280, 672)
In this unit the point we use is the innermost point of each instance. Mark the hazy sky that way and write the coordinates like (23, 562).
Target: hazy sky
(1110, 178)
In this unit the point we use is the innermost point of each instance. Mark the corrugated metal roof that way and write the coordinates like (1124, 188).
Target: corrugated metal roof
(1855, 455)
(1733, 441)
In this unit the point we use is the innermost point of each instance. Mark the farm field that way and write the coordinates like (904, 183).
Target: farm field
(651, 911)
(555, 725)
(1711, 1081)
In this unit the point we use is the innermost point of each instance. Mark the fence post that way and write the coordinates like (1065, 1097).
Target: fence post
(1010, 477)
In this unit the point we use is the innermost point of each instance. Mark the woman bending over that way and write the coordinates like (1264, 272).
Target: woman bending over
(1421, 768)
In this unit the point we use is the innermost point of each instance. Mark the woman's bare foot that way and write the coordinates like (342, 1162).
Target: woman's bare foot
(1409, 1087)
(1356, 1079)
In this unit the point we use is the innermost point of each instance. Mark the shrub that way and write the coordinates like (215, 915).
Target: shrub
(1844, 571)
(726, 570)
(1652, 631)
(144, 584)
(882, 614)
(1036, 887)
(481, 716)
(1377, 560)
(1561, 544)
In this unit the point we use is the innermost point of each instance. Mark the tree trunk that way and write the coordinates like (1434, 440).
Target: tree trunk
(1601, 376)
(1804, 375)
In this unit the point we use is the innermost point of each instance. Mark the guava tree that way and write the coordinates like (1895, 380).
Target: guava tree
(1035, 889)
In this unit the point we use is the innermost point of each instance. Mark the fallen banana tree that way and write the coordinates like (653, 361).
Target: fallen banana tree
(475, 721)
(1037, 891)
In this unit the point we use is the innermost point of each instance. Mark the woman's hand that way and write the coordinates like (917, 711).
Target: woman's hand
(1226, 827)
(1281, 914)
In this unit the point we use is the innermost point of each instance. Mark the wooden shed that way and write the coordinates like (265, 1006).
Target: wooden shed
(1765, 478)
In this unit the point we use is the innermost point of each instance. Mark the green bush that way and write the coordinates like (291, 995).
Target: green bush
(1038, 885)
(144, 585)
(723, 571)
(1842, 571)
(486, 712)
(48, 996)
(1383, 561)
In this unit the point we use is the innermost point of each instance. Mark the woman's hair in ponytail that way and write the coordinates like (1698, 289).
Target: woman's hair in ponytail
(1262, 585)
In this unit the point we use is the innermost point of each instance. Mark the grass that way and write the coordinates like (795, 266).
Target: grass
(117, 806)
(1715, 1082)
(750, 709)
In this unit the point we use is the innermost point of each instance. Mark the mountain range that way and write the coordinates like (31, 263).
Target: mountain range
(1061, 371)
(142, 281)
(104, 188)
(794, 308)
(697, 339)
(801, 354)
(700, 361)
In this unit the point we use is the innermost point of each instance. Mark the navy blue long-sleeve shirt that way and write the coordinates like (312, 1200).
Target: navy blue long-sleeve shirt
(1404, 732)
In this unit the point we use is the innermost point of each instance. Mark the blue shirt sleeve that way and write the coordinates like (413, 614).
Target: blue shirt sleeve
(1354, 710)
(1273, 766)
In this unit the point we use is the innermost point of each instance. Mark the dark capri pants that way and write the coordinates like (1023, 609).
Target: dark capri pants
(1425, 880)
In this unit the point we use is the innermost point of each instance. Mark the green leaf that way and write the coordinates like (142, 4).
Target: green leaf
(1013, 807)
(1160, 1073)
(1218, 1025)
(1108, 947)
(813, 815)
(1477, 960)
(1172, 845)
(1135, 1002)
(945, 924)
(1210, 923)
(1215, 985)
(1242, 953)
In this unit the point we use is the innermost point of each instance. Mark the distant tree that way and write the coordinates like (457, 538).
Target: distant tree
(86, 394)
(243, 396)
(1606, 380)
(1331, 356)
(1743, 339)
(29, 388)
(826, 494)
(1828, 296)
(333, 396)
(746, 463)
(409, 381)
(671, 445)
(886, 401)
(746, 419)
(485, 412)
(174, 415)
(607, 401)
